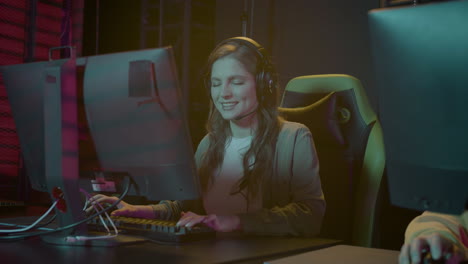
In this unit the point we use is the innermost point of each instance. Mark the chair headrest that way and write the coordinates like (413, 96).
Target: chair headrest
(316, 86)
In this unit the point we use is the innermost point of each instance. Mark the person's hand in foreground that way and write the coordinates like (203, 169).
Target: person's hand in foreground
(436, 244)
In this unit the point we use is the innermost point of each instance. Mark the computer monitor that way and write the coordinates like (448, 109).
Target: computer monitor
(421, 64)
(135, 119)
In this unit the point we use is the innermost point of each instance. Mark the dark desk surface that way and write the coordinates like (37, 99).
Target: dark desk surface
(342, 254)
(226, 248)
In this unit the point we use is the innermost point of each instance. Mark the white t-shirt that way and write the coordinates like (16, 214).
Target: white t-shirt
(218, 199)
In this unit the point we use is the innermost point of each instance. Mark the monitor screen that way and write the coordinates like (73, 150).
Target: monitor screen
(420, 59)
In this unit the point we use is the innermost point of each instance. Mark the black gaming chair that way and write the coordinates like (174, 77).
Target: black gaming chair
(350, 147)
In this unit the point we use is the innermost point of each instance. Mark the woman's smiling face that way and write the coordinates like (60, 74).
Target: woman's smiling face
(233, 88)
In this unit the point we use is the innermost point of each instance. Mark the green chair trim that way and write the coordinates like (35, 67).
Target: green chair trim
(326, 83)
(368, 189)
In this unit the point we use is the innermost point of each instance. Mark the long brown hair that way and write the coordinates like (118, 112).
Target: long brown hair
(262, 149)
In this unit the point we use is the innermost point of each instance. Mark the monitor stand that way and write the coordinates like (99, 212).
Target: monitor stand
(90, 240)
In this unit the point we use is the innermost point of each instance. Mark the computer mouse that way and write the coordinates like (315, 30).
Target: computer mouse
(427, 259)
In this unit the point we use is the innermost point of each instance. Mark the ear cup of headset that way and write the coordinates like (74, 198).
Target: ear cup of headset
(268, 83)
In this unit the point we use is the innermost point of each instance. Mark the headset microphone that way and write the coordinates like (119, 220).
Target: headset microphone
(246, 115)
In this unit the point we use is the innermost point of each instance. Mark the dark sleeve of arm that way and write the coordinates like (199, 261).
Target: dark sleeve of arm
(171, 210)
(303, 213)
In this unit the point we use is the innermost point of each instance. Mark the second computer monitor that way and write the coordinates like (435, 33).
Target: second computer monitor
(420, 57)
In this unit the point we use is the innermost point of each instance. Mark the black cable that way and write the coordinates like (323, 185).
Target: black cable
(39, 225)
(47, 222)
(9, 237)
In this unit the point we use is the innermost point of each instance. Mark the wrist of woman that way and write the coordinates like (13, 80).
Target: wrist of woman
(145, 211)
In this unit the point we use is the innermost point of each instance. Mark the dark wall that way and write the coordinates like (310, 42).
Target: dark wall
(117, 25)
(307, 37)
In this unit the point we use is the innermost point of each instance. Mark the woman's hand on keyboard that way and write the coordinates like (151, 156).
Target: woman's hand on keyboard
(220, 223)
(123, 208)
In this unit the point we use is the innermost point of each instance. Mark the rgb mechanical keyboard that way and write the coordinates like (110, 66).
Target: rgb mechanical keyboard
(155, 230)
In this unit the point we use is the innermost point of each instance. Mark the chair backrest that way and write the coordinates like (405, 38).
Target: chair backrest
(349, 143)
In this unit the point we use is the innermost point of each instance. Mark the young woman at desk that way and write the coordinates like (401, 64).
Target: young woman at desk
(259, 173)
